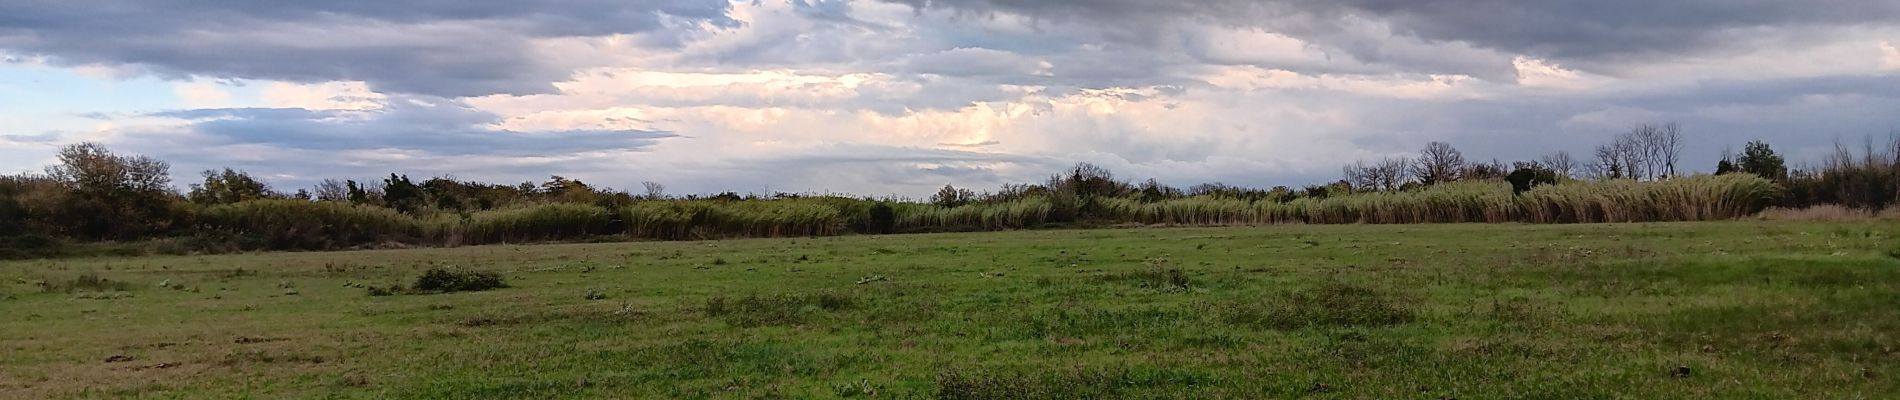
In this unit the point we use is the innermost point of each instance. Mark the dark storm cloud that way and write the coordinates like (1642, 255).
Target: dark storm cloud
(447, 48)
(435, 126)
(1586, 32)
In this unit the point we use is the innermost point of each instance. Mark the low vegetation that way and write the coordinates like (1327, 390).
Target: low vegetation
(100, 202)
(1717, 310)
(441, 280)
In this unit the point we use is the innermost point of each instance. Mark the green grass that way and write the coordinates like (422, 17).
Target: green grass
(1766, 310)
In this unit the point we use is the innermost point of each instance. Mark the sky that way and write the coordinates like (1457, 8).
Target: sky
(882, 97)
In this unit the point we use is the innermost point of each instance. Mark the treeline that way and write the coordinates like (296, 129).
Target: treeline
(96, 200)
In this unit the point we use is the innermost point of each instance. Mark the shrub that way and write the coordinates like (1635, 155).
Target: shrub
(289, 224)
(30, 245)
(84, 282)
(438, 280)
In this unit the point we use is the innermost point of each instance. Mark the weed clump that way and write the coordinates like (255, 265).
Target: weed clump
(1332, 304)
(774, 310)
(957, 385)
(1090, 383)
(84, 282)
(1158, 274)
(438, 280)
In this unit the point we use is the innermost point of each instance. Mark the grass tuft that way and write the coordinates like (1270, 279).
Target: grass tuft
(84, 282)
(774, 310)
(1332, 304)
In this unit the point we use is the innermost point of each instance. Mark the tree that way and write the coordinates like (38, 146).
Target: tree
(1657, 149)
(363, 194)
(332, 190)
(562, 189)
(1391, 173)
(1607, 165)
(1560, 163)
(1360, 175)
(951, 196)
(229, 186)
(1482, 170)
(113, 196)
(1438, 163)
(1529, 176)
(654, 190)
(1087, 180)
(1762, 161)
(1153, 191)
(402, 194)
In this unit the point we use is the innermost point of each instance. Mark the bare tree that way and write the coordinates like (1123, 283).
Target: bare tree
(1649, 151)
(1392, 173)
(332, 190)
(654, 190)
(1629, 156)
(1438, 163)
(1560, 163)
(1669, 147)
(1605, 166)
(1360, 176)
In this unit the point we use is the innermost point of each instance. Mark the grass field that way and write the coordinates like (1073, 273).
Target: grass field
(1769, 310)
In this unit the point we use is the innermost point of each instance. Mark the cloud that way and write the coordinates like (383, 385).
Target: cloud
(432, 48)
(1599, 34)
(408, 124)
(1889, 56)
(901, 97)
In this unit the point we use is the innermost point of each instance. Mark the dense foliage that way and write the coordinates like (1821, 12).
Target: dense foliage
(95, 196)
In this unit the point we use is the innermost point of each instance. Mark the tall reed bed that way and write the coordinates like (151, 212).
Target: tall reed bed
(1683, 199)
(695, 219)
(1016, 214)
(297, 224)
(540, 222)
(304, 225)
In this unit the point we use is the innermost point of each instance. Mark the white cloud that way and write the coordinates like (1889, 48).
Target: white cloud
(203, 94)
(321, 96)
(1889, 56)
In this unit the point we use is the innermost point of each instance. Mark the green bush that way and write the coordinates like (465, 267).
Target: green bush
(438, 280)
(290, 224)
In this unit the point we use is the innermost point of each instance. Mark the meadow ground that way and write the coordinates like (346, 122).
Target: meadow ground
(1769, 310)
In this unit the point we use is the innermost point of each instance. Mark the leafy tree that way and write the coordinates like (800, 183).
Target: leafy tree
(359, 194)
(229, 186)
(951, 196)
(403, 195)
(113, 196)
(1153, 191)
(1762, 161)
(1530, 176)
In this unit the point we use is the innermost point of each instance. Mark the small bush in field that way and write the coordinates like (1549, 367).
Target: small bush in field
(379, 291)
(438, 280)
